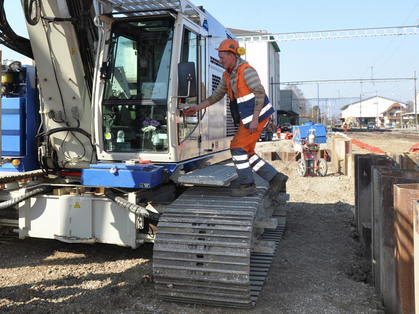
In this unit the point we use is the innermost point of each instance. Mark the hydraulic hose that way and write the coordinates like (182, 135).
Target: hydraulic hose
(11, 177)
(118, 200)
(133, 208)
(41, 190)
(10, 39)
(30, 7)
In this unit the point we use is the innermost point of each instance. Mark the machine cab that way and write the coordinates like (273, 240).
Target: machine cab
(153, 67)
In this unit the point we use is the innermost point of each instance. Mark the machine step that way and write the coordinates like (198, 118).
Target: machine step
(215, 175)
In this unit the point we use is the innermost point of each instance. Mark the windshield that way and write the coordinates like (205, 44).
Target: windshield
(135, 100)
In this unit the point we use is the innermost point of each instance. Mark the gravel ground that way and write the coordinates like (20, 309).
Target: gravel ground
(319, 266)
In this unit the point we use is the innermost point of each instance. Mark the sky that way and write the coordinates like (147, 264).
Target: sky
(386, 57)
(334, 59)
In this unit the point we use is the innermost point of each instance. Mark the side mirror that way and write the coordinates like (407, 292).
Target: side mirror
(186, 80)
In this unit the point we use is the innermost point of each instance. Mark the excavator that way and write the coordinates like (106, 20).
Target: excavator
(94, 147)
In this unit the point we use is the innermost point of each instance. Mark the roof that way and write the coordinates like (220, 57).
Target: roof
(131, 8)
(243, 32)
(398, 105)
(374, 106)
(366, 99)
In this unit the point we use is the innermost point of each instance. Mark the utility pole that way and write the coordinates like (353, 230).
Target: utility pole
(378, 118)
(318, 103)
(416, 114)
(360, 106)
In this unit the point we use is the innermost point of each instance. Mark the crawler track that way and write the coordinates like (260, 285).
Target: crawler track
(203, 248)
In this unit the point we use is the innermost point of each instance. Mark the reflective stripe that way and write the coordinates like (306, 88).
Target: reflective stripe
(258, 165)
(262, 112)
(253, 158)
(247, 120)
(239, 157)
(266, 108)
(245, 98)
(243, 165)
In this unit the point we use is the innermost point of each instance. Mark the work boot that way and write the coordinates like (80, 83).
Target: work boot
(244, 190)
(275, 184)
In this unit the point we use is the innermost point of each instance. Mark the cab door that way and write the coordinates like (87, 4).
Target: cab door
(193, 49)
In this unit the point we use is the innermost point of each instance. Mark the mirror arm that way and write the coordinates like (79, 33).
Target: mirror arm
(189, 91)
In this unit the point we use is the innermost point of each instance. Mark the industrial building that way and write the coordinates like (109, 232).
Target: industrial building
(265, 58)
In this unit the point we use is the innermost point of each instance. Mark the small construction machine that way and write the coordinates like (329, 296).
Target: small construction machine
(311, 149)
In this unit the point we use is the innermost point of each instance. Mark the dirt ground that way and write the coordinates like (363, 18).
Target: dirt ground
(319, 266)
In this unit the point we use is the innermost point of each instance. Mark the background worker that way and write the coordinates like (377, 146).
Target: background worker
(251, 110)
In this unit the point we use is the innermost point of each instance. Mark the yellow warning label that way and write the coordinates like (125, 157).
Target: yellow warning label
(77, 205)
(73, 51)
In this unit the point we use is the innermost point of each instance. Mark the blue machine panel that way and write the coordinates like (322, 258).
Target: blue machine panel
(303, 131)
(122, 175)
(13, 130)
(19, 119)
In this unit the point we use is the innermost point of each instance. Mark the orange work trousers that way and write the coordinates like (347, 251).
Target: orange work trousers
(245, 140)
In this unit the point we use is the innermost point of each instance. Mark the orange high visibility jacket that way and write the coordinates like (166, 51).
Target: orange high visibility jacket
(246, 99)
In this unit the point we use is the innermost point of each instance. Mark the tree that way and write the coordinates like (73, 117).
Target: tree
(410, 105)
(313, 114)
(304, 104)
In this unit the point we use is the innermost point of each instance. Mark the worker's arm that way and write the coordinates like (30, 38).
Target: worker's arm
(255, 86)
(216, 96)
(253, 127)
(192, 110)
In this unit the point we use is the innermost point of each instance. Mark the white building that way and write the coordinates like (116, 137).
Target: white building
(264, 57)
(371, 108)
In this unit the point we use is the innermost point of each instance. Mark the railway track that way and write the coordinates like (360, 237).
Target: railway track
(214, 249)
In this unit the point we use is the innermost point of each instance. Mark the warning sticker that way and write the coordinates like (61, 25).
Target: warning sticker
(77, 205)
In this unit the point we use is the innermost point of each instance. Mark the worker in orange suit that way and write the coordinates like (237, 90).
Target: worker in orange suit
(251, 111)
(288, 135)
(345, 127)
(278, 131)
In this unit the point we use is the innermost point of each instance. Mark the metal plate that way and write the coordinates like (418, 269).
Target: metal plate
(216, 175)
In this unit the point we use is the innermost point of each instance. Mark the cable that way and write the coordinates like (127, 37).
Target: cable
(47, 134)
(392, 42)
(17, 200)
(391, 55)
(29, 8)
(411, 13)
(6, 178)
(131, 207)
(406, 64)
(10, 39)
(55, 71)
